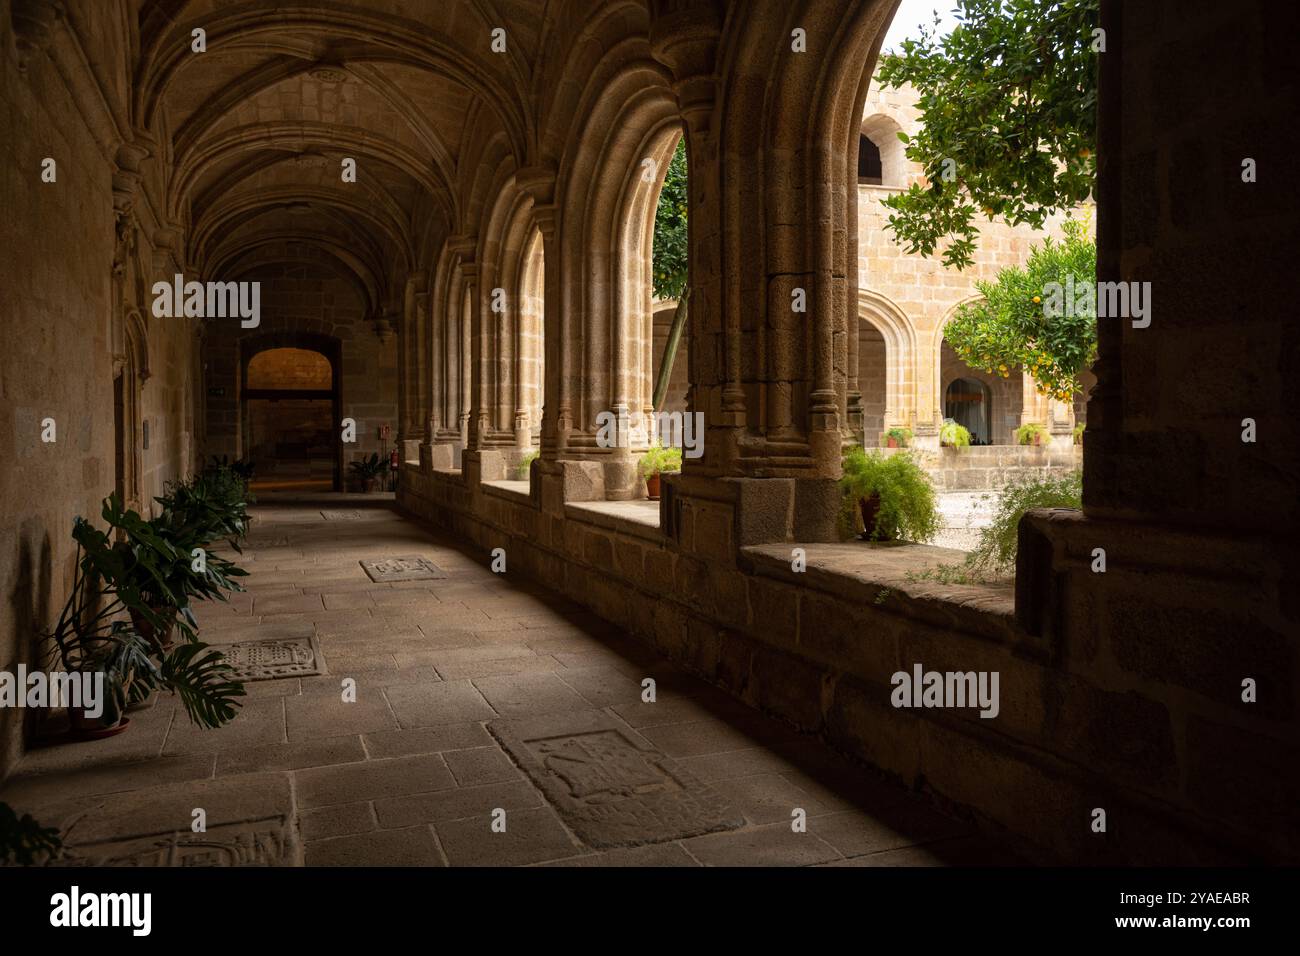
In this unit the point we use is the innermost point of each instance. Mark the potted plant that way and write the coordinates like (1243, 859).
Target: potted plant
(526, 464)
(368, 471)
(655, 462)
(126, 597)
(1032, 433)
(1078, 433)
(898, 437)
(197, 514)
(952, 435)
(240, 468)
(886, 497)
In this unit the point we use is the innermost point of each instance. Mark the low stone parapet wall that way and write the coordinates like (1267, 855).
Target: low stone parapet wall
(1078, 728)
(992, 467)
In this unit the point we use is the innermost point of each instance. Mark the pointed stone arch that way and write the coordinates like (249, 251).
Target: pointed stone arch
(899, 335)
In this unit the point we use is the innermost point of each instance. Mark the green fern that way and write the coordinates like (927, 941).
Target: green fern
(907, 501)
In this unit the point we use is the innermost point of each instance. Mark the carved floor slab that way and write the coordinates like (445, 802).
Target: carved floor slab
(275, 658)
(410, 568)
(268, 842)
(609, 787)
(340, 515)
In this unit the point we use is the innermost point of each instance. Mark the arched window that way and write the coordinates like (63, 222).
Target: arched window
(869, 168)
(882, 159)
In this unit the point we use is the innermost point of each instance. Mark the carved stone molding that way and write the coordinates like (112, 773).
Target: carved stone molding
(385, 325)
(538, 182)
(34, 23)
(126, 174)
(464, 246)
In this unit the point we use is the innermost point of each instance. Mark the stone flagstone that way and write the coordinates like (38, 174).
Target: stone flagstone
(271, 659)
(609, 787)
(410, 568)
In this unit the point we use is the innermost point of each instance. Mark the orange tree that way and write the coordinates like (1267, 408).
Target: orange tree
(1008, 104)
(1042, 316)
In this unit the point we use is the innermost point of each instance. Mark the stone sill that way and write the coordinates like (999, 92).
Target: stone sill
(636, 518)
(860, 571)
(454, 475)
(517, 491)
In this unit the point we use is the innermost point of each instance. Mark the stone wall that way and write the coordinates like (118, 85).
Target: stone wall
(80, 255)
(918, 296)
(818, 649)
(991, 467)
(303, 304)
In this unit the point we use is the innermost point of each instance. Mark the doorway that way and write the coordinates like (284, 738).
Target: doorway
(290, 417)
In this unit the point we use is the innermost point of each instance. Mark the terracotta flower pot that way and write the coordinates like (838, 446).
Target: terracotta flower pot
(870, 508)
(368, 484)
(891, 442)
(82, 727)
(1038, 438)
(161, 643)
(652, 487)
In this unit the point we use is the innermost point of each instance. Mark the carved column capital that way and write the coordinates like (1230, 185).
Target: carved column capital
(538, 182)
(463, 246)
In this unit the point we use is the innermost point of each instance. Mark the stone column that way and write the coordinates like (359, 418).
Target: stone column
(1034, 405)
(413, 400)
(559, 479)
(771, 267)
(1194, 613)
(448, 419)
(853, 422)
(479, 461)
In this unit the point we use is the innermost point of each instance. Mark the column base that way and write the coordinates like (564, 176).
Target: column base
(717, 515)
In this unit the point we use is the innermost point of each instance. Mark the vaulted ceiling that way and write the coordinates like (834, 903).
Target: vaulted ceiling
(256, 128)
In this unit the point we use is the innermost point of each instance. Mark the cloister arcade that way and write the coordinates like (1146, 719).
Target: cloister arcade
(451, 205)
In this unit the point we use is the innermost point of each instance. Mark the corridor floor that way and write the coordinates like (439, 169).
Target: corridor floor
(420, 768)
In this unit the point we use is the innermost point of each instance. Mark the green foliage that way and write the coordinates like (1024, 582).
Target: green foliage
(23, 841)
(210, 506)
(670, 248)
(659, 459)
(242, 468)
(907, 502)
(133, 584)
(994, 556)
(372, 467)
(526, 465)
(954, 435)
(901, 435)
(996, 550)
(129, 672)
(151, 564)
(1027, 432)
(1017, 322)
(1010, 96)
(1078, 432)
(204, 682)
